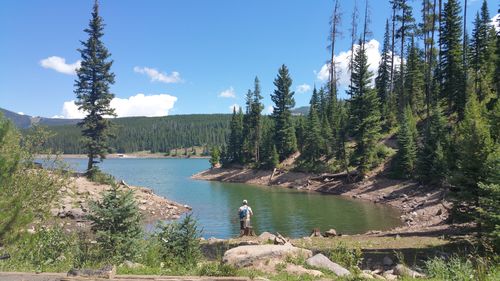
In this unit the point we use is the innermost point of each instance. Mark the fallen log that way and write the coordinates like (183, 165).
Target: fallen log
(329, 177)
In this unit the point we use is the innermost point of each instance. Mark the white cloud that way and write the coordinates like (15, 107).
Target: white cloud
(20, 113)
(342, 63)
(155, 75)
(304, 88)
(138, 105)
(234, 106)
(270, 109)
(495, 21)
(59, 64)
(228, 93)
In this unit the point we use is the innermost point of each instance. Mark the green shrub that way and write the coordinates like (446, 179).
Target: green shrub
(116, 222)
(98, 176)
(46, 247)
(456, 269)
(349, 258)
(217, 269)
(180, 241)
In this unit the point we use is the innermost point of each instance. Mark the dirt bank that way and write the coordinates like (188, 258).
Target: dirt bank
(72, 206)
(422, 207)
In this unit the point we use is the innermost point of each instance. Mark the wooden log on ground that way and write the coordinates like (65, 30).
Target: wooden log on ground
(337, 176)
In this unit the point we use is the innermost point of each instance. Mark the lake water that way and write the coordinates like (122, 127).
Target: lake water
(289, 212)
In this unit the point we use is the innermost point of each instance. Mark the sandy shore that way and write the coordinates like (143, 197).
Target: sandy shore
(421, 207)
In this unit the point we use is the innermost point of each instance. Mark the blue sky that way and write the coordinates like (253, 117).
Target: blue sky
(184, 56)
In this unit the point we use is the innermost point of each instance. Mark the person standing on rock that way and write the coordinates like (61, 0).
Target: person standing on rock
(244, 212)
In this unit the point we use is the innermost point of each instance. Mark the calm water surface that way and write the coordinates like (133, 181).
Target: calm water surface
(290, 212)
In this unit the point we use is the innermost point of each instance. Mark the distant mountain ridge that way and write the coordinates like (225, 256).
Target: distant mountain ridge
(25, 121)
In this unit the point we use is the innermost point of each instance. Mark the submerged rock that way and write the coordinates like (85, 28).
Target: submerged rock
(321, 261)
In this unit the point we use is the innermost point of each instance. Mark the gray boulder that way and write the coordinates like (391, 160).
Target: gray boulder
(321, 261)
(245, 256)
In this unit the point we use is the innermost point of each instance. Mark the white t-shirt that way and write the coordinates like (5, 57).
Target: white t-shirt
(249, 212)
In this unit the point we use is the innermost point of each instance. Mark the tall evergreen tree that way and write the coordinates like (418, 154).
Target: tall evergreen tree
(475, 160)
(382, 81)
(285, 140)
(431, 165)
(92, 91)
(482, 55)
(313, 144)
(365, 114)
(405, 30)
(252, 127)
(451, 65)
(414, 77)
(235, 145)
(407, 143)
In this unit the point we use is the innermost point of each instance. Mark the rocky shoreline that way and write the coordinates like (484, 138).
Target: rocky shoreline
(421, 206)
(72, 205)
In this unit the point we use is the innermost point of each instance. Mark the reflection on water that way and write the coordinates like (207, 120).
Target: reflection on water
(215, 204)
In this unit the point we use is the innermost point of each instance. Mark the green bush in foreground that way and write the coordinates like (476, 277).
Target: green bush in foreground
(116, 222)
(180, 241)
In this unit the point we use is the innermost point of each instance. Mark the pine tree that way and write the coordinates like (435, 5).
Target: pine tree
(117, 223)
(451, 64)
(405, 30)
(314, 140)
(365, 114)
(407, 143)
(236, 137)
(215, 157)
(382, 81)
(474, 161)
(482, 55)
(254, 120)
(92, 91)
(431, 166)
(284, 138)
(270, 157)
(414, 77)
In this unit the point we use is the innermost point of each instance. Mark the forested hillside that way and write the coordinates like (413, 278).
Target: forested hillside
(439, 104)
(157, 134)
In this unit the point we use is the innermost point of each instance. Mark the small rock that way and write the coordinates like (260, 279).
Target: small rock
(266, 236)
(389, 276)
(401, 270)
(387, 261)
(213, 240)
(321, 261)
(331, 233)
(366, 275)
(299, 270)
(249, 242)
(188, 207)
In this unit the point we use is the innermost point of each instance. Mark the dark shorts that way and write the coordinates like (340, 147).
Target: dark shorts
(242, 224)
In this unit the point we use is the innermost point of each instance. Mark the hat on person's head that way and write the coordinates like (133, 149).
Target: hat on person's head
(245, 202)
